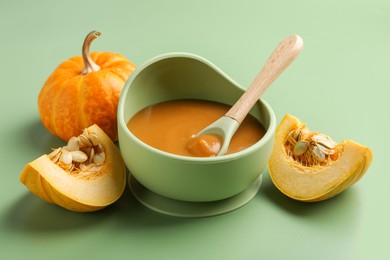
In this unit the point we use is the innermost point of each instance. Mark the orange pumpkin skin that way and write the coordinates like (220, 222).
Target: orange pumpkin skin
(70, 101)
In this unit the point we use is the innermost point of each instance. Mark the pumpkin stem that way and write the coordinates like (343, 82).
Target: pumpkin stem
(89, 64)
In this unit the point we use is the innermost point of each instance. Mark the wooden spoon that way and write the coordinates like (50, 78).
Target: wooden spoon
(281, 57)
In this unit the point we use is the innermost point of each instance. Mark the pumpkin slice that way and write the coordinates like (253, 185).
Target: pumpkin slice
(309, 166)
(87, 174)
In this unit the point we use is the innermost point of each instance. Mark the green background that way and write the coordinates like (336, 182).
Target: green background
(339, 85)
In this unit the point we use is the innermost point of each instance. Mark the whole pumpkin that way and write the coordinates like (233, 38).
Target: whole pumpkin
(83, 91)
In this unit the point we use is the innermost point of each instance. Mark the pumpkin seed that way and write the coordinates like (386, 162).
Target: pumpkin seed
(55, 155)
(66, 157)
(300, 147)
(325, 150)
(94, 139)
(91, 155)
(320, 156)
(73, 144)
(99, 157)
(79, 156)
(324, 140)
(84, 141)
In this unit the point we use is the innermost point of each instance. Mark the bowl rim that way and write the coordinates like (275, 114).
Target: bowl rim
(269, 134)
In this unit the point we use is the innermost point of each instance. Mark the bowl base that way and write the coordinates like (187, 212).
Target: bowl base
(178, 208)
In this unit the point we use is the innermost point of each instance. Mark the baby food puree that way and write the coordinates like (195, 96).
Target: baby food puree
(171, 125)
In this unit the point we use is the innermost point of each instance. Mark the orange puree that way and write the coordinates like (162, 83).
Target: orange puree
(206, 145)
(171, 125)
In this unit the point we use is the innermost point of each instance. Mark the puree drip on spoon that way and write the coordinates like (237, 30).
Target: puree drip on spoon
(206, 145)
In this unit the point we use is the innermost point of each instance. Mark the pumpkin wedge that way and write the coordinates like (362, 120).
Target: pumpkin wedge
(310, 166)
(87, 174)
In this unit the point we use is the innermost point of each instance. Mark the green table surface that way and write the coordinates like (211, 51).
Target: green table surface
(339, 85)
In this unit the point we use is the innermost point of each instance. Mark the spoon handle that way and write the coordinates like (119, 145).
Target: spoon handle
(281, 57)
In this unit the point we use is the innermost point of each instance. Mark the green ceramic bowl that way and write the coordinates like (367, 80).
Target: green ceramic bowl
(187, 76)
